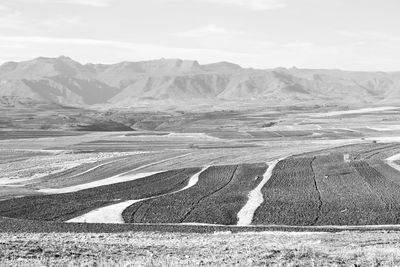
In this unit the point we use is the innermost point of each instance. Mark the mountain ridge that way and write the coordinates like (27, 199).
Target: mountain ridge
(65, 81)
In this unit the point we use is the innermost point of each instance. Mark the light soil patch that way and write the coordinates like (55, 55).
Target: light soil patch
(153, 164)
(245, 215)
(108, 214)
(385, 128)
(354, 111)
(384, 139)
(316, 134)
(40, 166)
(107, 181)
(195, 136)
(113, 213)
(119, 178)
(391, 161)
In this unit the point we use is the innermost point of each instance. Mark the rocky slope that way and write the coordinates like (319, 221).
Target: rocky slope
(67, 82)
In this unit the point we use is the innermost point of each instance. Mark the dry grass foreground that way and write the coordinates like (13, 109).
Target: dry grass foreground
(218, 249)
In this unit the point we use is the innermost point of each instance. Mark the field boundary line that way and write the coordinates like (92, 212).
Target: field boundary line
(320, 203)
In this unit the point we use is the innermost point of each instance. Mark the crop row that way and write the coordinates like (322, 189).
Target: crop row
(326, 190)
(290, 195)
(62, 207)
(386, 192)
(346, 197)
(175, 208)
(216, 199)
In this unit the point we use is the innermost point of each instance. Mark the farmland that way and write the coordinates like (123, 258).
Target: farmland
(215, 199)
(332, 170)
(191, 173)
(61, 207)
(347, 185)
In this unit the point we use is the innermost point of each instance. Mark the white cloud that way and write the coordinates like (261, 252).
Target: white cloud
(248, 4)
(95, 50)
(205, 31)
(16, 21)
(3, 8)
(70, 41)
(57, 23)
(371, 35)
(252, 4)
(247, 53)
(12, 21)
(93, 3)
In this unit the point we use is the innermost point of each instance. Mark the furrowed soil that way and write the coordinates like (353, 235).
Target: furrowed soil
(326, 190)
(347, 199)
(216, 199)
(290, 195)
(179, 207)
(66, 206)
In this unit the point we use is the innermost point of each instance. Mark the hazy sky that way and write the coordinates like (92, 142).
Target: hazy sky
(346, 34)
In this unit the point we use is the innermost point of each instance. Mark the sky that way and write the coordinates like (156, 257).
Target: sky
(335, 34)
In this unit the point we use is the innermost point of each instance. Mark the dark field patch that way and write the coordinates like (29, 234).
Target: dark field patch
(104, 126)
(265, 134)
(62, 207)
(9, 134)
(294, 133)
(10, 225)
(290, 195)
(146, 134)
(325, 190)
(347, 199)
(317, 190)
(216, 199)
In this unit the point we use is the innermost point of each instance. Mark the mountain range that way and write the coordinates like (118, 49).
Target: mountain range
(128, 84)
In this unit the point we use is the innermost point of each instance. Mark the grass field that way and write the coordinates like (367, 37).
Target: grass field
(215, 249)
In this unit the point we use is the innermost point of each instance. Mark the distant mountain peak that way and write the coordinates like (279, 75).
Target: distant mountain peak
(62, 80)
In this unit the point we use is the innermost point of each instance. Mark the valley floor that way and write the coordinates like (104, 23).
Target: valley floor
(188, 249)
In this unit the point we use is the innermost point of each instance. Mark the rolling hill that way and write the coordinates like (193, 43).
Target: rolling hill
(67, 82)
